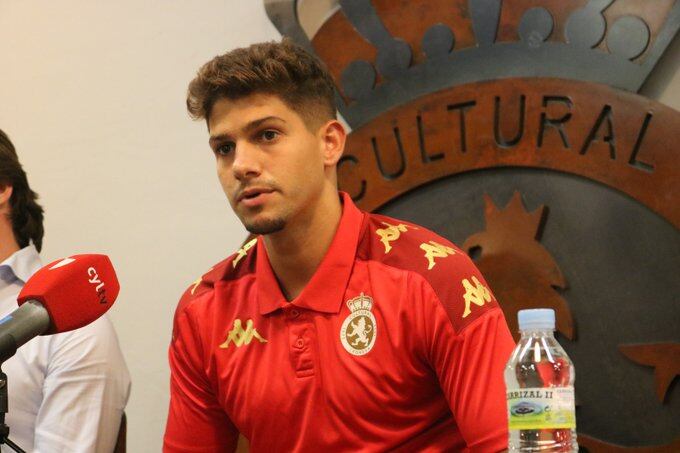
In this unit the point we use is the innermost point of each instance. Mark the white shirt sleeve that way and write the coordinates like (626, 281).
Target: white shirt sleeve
(85, 390)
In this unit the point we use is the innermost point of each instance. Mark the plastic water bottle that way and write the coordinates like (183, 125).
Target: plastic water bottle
(539, 379)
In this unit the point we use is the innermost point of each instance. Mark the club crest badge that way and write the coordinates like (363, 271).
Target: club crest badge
(359, 330)
(456, 105)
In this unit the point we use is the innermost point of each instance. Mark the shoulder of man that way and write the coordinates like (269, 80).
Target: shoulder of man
(95, 346)
(448, 270)
(237, 265)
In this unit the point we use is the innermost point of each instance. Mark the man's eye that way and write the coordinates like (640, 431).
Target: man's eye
(225, 148)
(269, 135)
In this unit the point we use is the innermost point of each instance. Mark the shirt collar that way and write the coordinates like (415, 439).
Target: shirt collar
(325, 290)
(23, 263)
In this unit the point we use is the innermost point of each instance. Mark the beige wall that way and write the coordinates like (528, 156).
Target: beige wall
(92, 94)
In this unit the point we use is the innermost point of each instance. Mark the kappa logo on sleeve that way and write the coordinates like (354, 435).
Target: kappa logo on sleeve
(243, 251)
(240, 336)
(391, 233)
(435, 250)
(477, 294)
(195, 284)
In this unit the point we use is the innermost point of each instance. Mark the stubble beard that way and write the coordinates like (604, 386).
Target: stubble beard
(265, 226)
(262, 223)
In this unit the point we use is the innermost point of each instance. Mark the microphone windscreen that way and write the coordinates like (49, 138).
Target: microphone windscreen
(75, 291)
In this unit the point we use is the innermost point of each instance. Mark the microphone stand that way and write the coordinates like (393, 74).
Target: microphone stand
(4, 429)
(19, 326)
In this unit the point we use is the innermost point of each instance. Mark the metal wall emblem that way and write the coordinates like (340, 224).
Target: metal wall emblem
(513, 129)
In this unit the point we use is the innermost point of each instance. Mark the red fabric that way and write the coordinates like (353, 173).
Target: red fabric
(433, 380)
(75, 291)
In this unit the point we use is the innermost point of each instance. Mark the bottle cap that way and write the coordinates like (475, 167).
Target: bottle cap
(539, 318)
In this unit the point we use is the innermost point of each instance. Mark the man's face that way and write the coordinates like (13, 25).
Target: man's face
(269, 163)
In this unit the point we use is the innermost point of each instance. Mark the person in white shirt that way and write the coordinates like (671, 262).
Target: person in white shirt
(67, 392)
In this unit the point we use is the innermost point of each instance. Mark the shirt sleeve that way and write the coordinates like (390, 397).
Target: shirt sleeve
(468, 346)
(196, 422)
(85, 391)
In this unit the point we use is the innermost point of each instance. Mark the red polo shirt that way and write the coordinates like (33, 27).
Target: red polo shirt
(395, 343)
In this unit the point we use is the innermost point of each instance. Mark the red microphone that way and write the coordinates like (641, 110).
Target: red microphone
(64, 295)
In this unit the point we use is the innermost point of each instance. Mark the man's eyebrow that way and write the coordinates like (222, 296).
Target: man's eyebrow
(214, 139)
(257, 123)
(247, 128)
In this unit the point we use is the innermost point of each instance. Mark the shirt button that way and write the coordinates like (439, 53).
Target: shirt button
(299, 343)
(294, 313)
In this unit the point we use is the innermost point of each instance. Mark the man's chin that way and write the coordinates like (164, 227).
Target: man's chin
(265, 226)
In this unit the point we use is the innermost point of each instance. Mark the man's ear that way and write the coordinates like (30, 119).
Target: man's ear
(333, 136)
(5, 194)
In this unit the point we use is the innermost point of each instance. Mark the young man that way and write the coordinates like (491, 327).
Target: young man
(334, 329)
(67, 391)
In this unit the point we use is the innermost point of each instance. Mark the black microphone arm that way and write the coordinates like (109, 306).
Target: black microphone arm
(23, 324)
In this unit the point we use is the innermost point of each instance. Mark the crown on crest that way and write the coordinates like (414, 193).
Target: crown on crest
(385, 53)
(361, 302)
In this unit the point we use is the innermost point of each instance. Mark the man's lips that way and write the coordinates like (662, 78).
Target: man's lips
(252, 193)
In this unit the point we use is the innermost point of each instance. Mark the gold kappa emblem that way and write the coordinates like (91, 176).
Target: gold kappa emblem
(435, 250)
(240, 336)
(195, 284)
(477, 294)
(390, 234)
(359, 330)
(243, 251)
(198, 282)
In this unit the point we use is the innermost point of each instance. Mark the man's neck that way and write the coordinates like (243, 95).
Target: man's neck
(296, 252)
(8, 243)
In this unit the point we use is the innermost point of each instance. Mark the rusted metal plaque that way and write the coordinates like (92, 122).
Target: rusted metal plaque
(513, 129)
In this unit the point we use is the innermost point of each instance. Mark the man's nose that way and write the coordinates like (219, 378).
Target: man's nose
(246, 162)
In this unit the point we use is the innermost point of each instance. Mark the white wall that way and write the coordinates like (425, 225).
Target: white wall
(92, 94)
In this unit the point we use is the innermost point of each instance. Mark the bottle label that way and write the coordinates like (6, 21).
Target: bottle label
(541, 408)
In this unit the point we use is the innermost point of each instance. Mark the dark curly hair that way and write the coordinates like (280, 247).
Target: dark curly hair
(279, 68)
(26, 214)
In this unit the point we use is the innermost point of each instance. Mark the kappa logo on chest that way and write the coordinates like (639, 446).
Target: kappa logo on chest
(238, 336)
